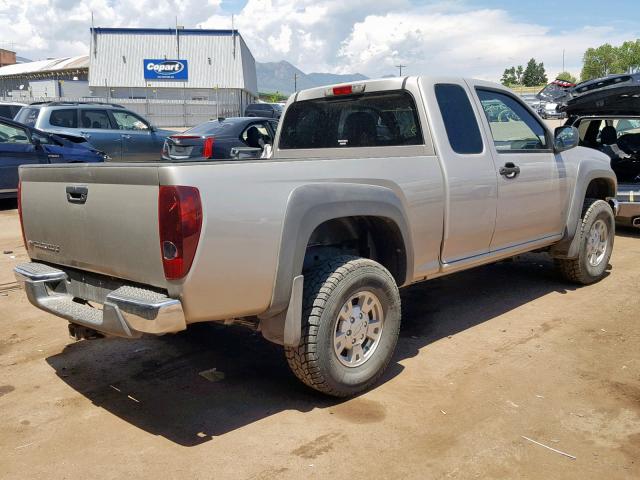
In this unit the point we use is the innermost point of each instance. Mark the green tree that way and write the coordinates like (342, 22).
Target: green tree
(509, 76)
(534, 74)
(567, 77)
(628, 57)
(600, 62)
(519, 74)
(512, 76)
(541, 75)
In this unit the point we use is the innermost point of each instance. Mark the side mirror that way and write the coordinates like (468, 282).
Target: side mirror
(241, 153)
(153, 128)
(36, 143)
(564, 138)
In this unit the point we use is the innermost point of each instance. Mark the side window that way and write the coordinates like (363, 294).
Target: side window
(459, 120)
(98, 119)
(11, 134)
(257, 136)
(66, 117)
(43, 138)
(129, 121)
(5, 111)
(512, 126)
(369, 120)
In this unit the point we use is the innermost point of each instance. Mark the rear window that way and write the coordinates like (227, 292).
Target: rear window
(28, 116)
(369, 120)
(65, 117)
(459, 120)
(209, 128)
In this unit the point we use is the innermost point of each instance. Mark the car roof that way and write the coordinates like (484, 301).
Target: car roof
(92, 105)
(620, 100)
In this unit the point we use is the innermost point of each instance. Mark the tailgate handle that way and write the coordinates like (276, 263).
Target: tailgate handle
(77, 194)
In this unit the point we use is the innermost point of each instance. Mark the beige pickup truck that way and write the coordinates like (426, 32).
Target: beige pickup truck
(370, 187)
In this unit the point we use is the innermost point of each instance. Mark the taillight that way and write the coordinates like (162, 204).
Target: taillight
(180, 219)
(24, 239)
(207, 150)
(184, 137)
(345, 89)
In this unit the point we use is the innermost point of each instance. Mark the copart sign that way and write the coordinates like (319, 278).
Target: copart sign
(166, 69)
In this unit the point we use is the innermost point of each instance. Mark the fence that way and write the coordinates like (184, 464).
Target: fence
(160, 112)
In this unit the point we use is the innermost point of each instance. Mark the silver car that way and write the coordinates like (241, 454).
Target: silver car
(110, 128)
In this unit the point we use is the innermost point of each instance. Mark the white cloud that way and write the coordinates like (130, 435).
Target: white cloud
(39, 29)
(363, 36)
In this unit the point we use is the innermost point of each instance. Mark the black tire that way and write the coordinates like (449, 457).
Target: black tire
(326, 290)
(579, 270)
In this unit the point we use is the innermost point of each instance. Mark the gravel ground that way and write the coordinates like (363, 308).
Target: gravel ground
(486, 358)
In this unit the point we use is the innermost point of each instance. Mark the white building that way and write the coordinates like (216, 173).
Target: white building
(172, 64)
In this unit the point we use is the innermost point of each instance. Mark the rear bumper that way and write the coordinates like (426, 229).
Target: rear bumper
(127, 311)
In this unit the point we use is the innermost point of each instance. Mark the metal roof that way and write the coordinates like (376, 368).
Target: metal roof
(164, 31)
(50, 65)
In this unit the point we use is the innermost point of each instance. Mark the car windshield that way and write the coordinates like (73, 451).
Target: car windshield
(28, 116)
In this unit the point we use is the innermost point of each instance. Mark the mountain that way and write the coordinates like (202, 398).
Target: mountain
(279, 77)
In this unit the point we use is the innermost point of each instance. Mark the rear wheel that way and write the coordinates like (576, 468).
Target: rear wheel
(351, 321)
(597, 232)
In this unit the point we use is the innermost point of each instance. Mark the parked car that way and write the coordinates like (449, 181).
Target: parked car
(371, 186)
(608, 120)
(10, 109)
(121, 134)
(22, 145)
(549, 110)
(217, 139)
(532, 100)
(265, 110)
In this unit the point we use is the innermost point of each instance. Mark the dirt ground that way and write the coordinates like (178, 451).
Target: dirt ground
(485, 358)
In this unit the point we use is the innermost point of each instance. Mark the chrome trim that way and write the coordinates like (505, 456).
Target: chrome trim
(23, 275)
(122, 315)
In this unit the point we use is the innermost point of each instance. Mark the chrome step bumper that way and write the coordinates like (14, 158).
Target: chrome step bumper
(127, 311)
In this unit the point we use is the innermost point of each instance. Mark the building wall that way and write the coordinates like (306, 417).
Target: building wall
(7, 57)
(215, 58)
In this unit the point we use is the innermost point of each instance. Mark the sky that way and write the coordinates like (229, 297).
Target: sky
(475, 38)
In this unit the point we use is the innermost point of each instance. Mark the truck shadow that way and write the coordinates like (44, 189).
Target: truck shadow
(154, 383)
(8, 204)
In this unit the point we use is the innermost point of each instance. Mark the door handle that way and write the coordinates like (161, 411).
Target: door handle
(125, 136)
(77, 194)
(510, 170)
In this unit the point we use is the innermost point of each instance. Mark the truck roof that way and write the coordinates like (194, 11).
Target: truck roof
(384, 84)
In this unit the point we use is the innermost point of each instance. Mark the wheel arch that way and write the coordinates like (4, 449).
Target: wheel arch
(593, 181)
(316, 210)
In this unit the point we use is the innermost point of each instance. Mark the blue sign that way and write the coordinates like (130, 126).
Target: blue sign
(166, 69)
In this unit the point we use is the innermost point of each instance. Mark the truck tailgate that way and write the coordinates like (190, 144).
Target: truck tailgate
(114, 231)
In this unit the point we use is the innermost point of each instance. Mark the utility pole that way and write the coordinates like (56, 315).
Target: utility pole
(400, 67)
(295, 82)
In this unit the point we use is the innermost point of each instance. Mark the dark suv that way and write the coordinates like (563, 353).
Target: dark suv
(264, 110)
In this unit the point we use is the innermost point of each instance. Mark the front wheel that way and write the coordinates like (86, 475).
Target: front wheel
(597, 232)
(351, 321)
